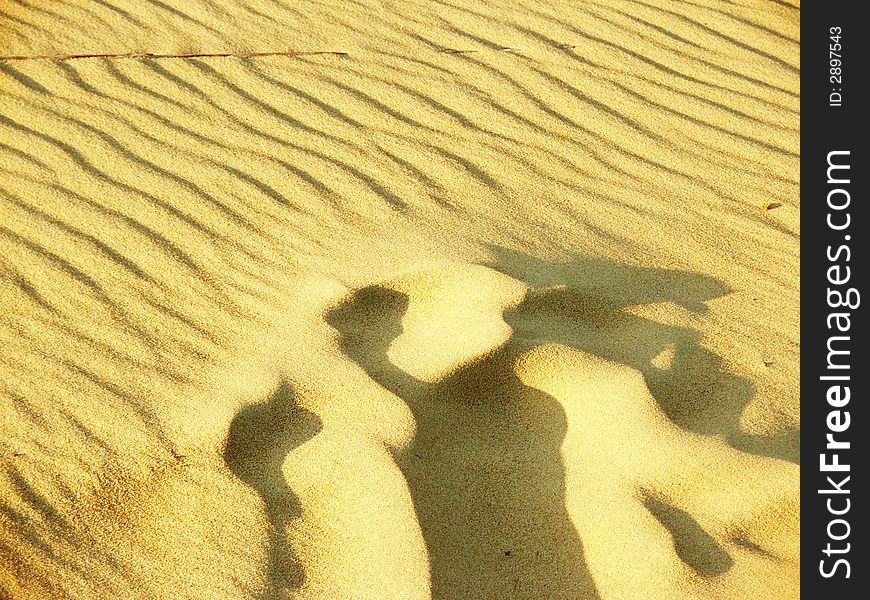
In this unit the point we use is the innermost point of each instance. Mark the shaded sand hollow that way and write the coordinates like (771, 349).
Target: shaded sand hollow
(485, 300)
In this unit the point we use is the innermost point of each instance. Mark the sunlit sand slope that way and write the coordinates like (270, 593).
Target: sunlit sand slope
(452, 300)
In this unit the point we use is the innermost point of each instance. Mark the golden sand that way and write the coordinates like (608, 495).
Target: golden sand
(477, 303)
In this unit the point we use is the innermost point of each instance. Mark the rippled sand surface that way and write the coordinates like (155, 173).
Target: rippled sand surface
(485, 300)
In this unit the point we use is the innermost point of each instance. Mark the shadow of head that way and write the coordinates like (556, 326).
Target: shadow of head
(261, 435)
(369, 321)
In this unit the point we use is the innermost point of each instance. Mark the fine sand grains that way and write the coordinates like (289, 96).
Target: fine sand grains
(399, 300)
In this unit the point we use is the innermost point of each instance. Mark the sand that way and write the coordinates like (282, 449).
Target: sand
(475, 300)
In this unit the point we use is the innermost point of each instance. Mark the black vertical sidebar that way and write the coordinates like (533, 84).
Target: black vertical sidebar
(835, 225)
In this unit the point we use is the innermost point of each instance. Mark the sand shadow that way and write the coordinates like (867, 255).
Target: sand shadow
(260, 437)
(484, 469)
(581, 303)
(693, 545)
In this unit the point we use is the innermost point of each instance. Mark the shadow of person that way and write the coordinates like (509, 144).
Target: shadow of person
(260, 437)
(484, 469)
(581, 303)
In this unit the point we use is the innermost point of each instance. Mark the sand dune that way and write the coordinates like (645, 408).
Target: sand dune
(469, 300)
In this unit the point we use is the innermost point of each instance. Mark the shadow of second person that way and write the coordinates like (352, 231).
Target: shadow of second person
(484, 469)
(582, 303)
